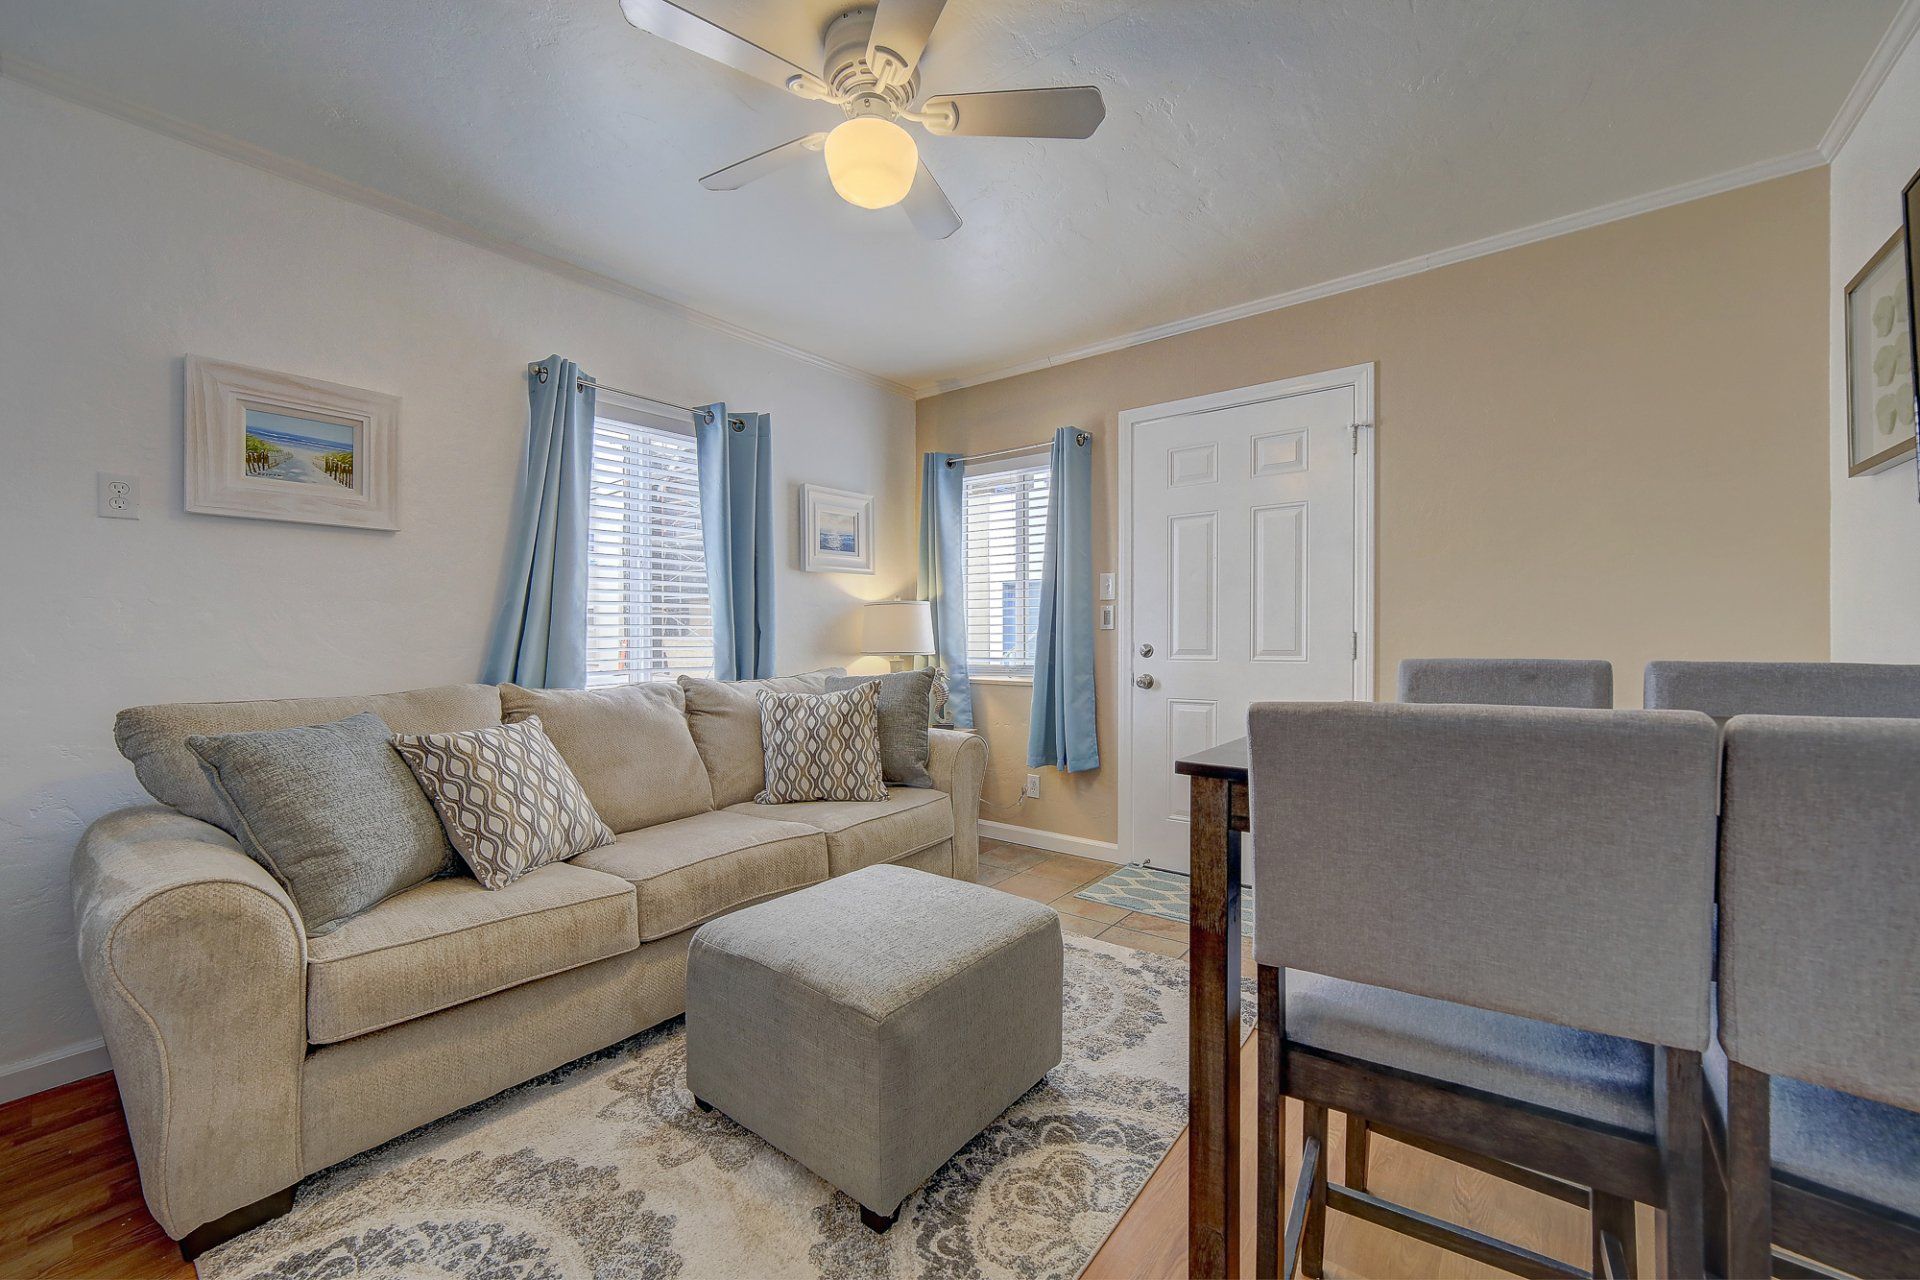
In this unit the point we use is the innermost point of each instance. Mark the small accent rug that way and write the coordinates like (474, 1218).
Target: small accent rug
(606, 1169)
(1156, 892)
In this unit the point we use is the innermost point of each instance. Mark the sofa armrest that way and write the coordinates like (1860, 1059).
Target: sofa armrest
(196, 961)
(957, 760)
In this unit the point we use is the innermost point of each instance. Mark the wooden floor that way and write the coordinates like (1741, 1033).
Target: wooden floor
(70, 1201)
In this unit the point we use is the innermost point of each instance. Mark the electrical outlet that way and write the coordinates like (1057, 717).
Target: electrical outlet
(1106, 586)
(1106, 617)
(1032, 789)
(117, 497)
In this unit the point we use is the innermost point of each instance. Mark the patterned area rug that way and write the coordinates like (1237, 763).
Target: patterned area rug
(606, 1169)
(1156, 892)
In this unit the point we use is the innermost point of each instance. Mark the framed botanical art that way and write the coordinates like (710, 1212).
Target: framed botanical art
(836, 530)
(1880, 387)
(273, 446)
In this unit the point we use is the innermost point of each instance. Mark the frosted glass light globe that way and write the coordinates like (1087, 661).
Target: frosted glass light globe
(872, 162)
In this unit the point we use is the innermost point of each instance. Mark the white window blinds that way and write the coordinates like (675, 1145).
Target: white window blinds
(1006, 531)
(648, 616)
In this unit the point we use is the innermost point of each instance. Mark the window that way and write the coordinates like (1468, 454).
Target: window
(647, 611)
(1006, 528)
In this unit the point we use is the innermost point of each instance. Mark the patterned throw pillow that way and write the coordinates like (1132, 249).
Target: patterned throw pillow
(508, 801)
(822, 746)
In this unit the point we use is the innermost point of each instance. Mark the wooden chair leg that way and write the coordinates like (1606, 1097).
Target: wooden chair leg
(1615, 1243)
(1749, 1173)
(1270, 1122)
(1355, 1174)
(1313, 1239)
(1679, 1123)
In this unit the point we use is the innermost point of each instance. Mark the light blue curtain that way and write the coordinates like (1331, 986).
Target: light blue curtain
(943, 574)
(736, 517)
(1061, 728)
(540, 633)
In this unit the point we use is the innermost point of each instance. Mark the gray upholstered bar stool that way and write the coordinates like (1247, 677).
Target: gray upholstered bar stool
(1508, 682)
(1819, 1087)
(1486, 927)
(1727, 689)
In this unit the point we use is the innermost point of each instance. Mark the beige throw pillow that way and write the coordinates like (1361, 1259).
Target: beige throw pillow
(506, 798)
(822, 746)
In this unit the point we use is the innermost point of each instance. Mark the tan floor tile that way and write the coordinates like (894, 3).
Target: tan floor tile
(1067, 905)
(1013, 856)
(1032, 884)
(989, 873)
(1141, 922)
(1080, 928)
(1085, 869)
(1143, 941)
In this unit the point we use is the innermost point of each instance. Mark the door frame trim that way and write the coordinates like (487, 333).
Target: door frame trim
(1358, 377)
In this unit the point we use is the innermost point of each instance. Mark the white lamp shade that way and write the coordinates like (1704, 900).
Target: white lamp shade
(871, 162)
(897, 626)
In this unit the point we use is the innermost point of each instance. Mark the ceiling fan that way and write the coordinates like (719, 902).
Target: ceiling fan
(869, 70)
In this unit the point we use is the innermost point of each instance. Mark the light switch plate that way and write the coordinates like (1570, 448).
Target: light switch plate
(1106, 586)
(117, 497)
(1106, 617)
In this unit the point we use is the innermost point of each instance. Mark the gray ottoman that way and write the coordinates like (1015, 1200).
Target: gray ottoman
(872, 1025)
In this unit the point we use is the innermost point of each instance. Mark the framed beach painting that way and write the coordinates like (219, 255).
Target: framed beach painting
(273, 446)
(1880, 388)
(836, 530)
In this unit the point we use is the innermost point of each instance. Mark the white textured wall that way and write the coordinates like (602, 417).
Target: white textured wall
(1876, 519)
(121, 252)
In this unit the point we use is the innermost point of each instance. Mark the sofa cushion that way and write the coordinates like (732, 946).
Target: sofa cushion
(155, 738)
(330, 810)
(449, 941)
(861, 833)
(724, 716)
(629, 745)
(694, 869)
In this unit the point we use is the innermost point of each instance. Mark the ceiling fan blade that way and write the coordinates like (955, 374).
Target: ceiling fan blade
(691, 31)
(735, 176)
(900, 32)
(928, 208)
(1017, 113)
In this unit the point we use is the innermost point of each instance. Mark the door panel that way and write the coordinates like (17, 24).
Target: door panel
(1242, 532)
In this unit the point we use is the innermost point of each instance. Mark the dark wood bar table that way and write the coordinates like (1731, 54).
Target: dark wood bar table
(1219, 816)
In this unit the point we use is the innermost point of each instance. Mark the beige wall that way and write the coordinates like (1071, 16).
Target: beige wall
(1611, 444)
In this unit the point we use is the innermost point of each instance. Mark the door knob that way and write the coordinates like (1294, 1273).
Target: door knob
(1143, 682)
(1146, 651)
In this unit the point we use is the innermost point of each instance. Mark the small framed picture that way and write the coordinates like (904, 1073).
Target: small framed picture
(1880, 388)
(273, 446)
(836, 530)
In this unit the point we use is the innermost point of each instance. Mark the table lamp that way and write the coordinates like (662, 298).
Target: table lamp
(897, 628)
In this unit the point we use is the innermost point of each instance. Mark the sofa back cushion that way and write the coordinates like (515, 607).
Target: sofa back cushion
(724, 716)
(629, 745)
(155, 738)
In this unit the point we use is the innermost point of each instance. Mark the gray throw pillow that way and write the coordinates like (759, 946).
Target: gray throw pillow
(330, 810)
(906, 706)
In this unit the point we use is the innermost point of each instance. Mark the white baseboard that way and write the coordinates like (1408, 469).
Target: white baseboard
(50, 1070)
(1052, 841)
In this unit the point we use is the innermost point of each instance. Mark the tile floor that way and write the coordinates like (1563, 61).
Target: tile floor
(1053, 878)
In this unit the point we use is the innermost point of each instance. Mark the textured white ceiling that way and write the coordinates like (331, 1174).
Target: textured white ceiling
(1251, 146)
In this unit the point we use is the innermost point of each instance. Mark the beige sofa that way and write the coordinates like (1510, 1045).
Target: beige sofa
(249, 1055)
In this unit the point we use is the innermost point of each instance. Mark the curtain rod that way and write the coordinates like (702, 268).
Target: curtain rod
(1079, 437)
(540, 373)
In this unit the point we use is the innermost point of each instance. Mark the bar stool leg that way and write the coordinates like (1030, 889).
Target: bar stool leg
(1313, 1240)
(1355, 1174)
(1270, 1122)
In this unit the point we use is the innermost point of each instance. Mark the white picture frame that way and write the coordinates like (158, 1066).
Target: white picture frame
(263, 445)
(836, 530)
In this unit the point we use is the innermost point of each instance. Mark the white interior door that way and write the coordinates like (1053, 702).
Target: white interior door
(1249, 577)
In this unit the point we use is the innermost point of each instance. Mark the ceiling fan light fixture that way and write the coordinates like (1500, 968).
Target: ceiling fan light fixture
(872, 162)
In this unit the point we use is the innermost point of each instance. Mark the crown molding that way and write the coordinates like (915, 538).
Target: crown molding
(1700, 188)
(69, 89)
(1899, 34)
